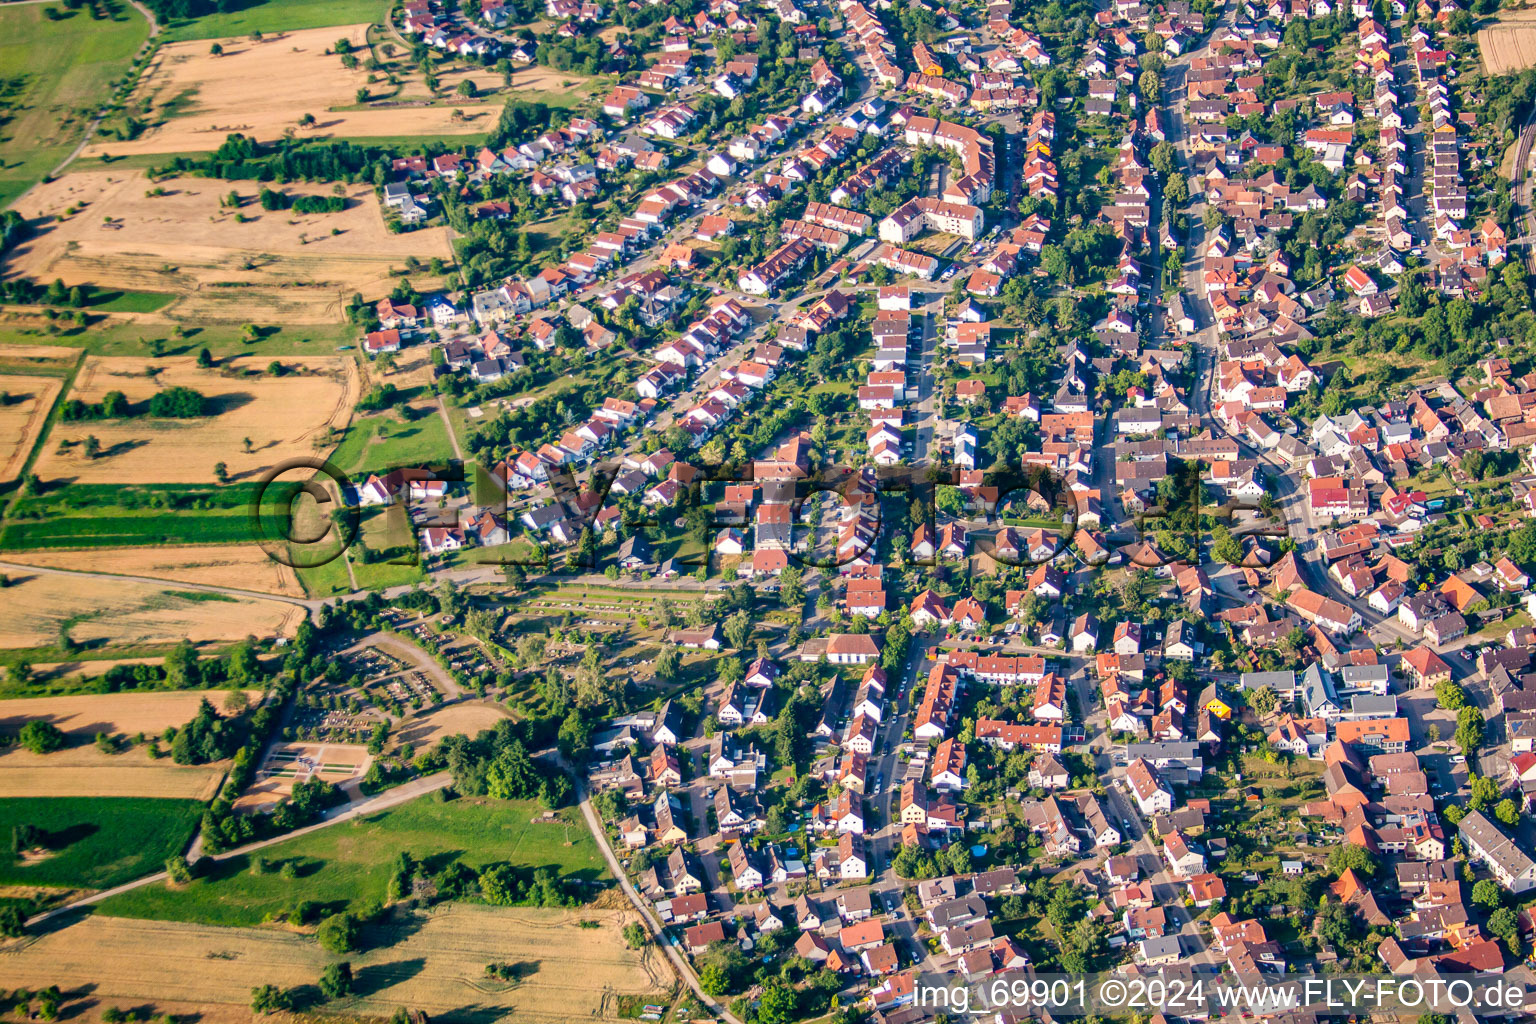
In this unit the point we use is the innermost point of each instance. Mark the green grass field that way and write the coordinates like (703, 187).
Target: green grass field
(327, 579)
(382, 442)
(279, 16)
(54, 77)
(129, 302)
(98, 515)
(98, 842)
(349, 863)
(221, 339)
(128, 529)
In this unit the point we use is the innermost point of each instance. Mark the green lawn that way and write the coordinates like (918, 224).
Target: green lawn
(349, 863)
(129, 528)
(114, 301)
(96, 842)
(382, 574)
(54, 77)
(382, 442)
(220, 339)
(279, 16)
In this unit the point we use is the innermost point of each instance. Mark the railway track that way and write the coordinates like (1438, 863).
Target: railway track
(1527, 216)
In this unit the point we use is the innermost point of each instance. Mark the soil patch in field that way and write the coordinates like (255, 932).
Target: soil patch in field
(282, 417)
(128, 612)
(278, 267)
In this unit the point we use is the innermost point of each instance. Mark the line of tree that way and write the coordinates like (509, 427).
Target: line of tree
(243, 158)
(271, 199)
(182, 403)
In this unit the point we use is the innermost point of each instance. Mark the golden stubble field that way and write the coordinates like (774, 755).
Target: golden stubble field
(262, 89)
(428, 729)
(22, 417)
(278, 267)
(128, 612)
(1509, 45)
(84, 715)
(240, 566)
(574, 973)
(87, 771)
(281, 416)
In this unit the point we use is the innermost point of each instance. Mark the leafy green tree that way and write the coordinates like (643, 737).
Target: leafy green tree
(512, 775)
(339, 933)
(267, 999)
(1504, 924)
(1349, 857)
(13, 923)
(1263, 701)
(1469, 730)
(177, 870)
(714, 980)
(1225, 547)
(667, 664)
(1486, 893)
(41, 736)
(500, 886)
(336, 980)
(779, 1003)
(1450, 695)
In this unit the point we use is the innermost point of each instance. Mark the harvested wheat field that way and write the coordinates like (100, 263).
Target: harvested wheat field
(427, 730)
(571, 973)
(278, 267)
(239, 566)
(212, 97)
(38, 353)
(22, 417)
(542, 79)
(129, 612)
(86, 771)
(1509, 45)
(84, 715)
(282, 417)
(288, 763)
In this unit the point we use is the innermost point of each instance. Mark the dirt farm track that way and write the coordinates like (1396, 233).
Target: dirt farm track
(439, 967)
